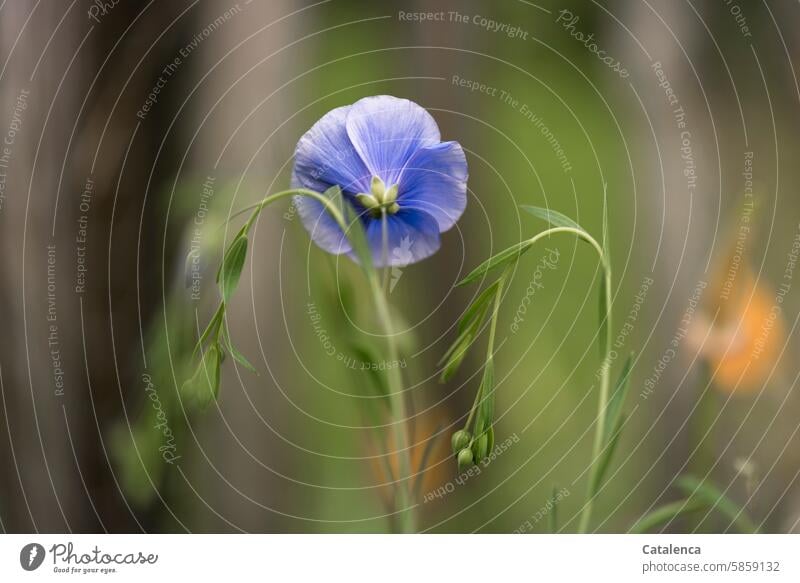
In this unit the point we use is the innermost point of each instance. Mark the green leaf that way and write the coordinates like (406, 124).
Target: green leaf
(480, 447)
(614, 422)
(203, 387)
(617, 398)
(711, 496)
(212, 328)
(514, 252)
(555, 218)
(486, 410)
(231, 269)
(665, 514)
(478, 305)
(605, 457)
(472, 319)
(455, 354)
(240, 358)
(505, 257)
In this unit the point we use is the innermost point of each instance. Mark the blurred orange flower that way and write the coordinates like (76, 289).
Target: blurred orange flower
(430, 455)
(740, 332)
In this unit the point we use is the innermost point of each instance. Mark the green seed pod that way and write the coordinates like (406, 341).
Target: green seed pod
(480, 447)
(464, 458)
(460, 440)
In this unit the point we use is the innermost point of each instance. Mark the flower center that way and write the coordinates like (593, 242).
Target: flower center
(380, 199)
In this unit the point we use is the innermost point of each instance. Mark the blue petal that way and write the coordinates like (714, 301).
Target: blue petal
(325, 156)
(321, 226)
(412, 236)
(435, 181)
(386, 131)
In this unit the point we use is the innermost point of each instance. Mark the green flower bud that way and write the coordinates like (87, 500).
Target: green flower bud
(464, 458)
(460, 440)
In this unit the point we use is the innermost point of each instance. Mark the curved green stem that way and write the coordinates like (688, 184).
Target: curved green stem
(605, 374)
(405, 506)
(511, 255)
(331, 208)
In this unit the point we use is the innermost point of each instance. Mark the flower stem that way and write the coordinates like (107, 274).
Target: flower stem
(602, 402)
(385, 250)
(605, 377)
(404, 505)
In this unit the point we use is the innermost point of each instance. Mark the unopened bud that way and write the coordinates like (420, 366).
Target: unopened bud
(460, 440)
(464, 458)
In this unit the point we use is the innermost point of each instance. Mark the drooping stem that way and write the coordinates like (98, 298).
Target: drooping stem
(600, 437)
(605, 371)
(217, 327)
(606, 340)
(329, 205)
(404, 502)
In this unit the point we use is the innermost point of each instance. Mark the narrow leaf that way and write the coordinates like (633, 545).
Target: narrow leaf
(486, 411)
(231, 269)
(455, 354)
(555, 218)
(478, 305)
(505, 257)
(212, 328)
(714, 498)
(617, 398)
(665, 514)
(203, 387)
(240, 358)
(605, 457)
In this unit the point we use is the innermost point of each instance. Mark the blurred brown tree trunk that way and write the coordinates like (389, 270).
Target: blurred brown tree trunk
(66, 280)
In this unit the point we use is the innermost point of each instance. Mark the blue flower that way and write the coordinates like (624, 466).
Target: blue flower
(387, 156)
